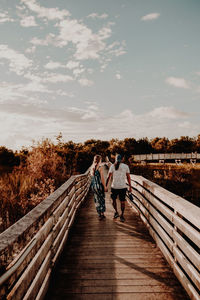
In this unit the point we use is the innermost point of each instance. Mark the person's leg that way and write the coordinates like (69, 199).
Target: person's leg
(103, 206)
(114, 202)
(122, 197)
(122, 207)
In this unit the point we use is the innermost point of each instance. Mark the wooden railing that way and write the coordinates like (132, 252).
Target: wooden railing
(166, 156)
(30, 248)
(174, 223)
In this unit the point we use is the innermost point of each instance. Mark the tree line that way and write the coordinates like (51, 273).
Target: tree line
(78, 155)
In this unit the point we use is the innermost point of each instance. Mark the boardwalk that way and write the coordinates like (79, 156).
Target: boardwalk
(112, 260)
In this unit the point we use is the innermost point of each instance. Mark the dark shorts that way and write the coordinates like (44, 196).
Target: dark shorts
(118, 192)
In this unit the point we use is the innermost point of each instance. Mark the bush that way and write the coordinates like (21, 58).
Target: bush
(30, 183)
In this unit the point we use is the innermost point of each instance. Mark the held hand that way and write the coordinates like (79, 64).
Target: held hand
(105, 188)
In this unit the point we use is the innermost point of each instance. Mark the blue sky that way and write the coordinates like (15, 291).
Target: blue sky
(98, 69)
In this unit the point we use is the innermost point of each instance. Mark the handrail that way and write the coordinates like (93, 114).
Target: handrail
(166, 156)
(18, 263)
(31, 246)
(174, 223)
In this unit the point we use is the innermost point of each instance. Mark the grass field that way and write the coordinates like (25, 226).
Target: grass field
(182, 179)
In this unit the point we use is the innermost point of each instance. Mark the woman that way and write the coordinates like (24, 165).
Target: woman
(120, 173)
(98, 186)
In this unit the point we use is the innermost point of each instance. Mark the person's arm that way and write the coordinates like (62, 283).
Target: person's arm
(102, 179)
(129, 181)
(108, 178)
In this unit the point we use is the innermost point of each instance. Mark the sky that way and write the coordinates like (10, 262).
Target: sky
(98, 69)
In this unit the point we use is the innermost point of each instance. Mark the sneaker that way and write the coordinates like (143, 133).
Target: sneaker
(122, 219)
(116, 215)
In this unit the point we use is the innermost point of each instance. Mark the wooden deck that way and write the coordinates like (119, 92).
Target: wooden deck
(112, 260)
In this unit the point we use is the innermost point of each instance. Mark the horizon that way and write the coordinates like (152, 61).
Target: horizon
(98, 70)
(59, 138)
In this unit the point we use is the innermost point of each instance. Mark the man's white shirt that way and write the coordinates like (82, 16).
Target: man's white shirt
(119, 176)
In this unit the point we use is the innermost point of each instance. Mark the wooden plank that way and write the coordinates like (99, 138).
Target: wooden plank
(39, 239)
(22, 284)
(60, 209)
(60, 222)
(158, 204)
(123, 296)
(188, 210)
(150, 221)
(192, 292)
(72, 200)
(187, 229)
(61, 234)
(187, 249)
(39, 278)
(43, 289)
(60, 248)
(187, 267)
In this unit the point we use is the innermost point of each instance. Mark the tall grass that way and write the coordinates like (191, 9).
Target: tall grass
(30, 183)
(182, 180)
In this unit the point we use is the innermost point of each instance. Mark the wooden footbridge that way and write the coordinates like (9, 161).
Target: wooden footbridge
(167, 157)
(60, 250)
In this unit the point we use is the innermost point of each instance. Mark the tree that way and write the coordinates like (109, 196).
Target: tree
(8, 158)
(197, 144)
(183, 145)
(143, 146)
(160, 145)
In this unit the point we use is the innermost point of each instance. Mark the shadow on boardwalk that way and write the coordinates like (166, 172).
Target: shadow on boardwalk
(112, 260)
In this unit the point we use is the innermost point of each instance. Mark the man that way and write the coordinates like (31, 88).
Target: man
(120, 173)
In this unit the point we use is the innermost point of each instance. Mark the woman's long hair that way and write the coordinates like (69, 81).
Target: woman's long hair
(95, 164)
(118, 159)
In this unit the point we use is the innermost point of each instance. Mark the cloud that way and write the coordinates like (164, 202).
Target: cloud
(185, 124)
(72, 64)
(35, 87)
(18, 62)
(150, 17)
(118, 76)
(77, 72)
(168, 112)
(40, 110)
(96, 16)
(44, 12)
(4, 17)
(89, 114)
(30, 49)
(50, 39)
(117, 48)
(28, 21)
(55, 77)
(85, 82)
(53, 65)
(80, 124)
(12, 91)
(63, 93)
(178, 82)
(88, 45)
